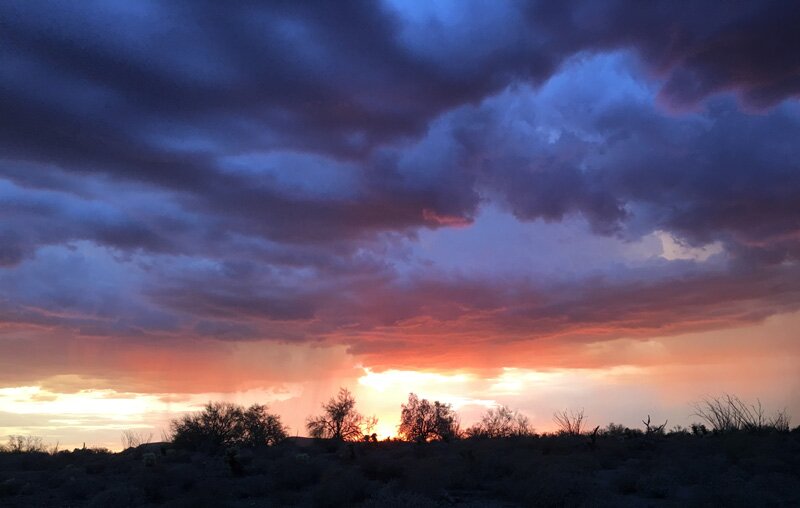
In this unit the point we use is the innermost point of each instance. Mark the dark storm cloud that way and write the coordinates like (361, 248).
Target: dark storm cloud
(88, 87)
(174, 134)
(735, 179)
(326, 75)
(698, 48)
(156, 93)
(592, 142)
(56, 217)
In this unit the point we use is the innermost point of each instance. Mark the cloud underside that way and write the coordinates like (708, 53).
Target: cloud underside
(200, 175)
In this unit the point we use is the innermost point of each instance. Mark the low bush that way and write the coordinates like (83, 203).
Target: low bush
(292, 474)
(24, 444)
(729, 413)
(501, 421)
(340, 487)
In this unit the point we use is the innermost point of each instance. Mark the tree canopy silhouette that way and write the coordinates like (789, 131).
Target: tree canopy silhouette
(223, 424)
(422, 421)
(340, 419)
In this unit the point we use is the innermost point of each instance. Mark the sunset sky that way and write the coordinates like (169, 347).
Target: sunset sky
(547, 204)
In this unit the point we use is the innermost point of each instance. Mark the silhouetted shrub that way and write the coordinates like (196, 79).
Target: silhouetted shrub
(340, 487)
(550, 488)
(626, 482)
(651, 429)
(154, 487)
(569, 423)
(96, 466)
(25, 444)
(501, 422)
(381, 469)
(614, 430)
(117, 497)
(654, 485)
(222, 425)
(149, 459)
(79, 487)
(422, 421)
(679, 430)
(237, 460)
(292, 474)
(780, 421)
(729, 413)
(10, 487)
(340, 420)
(133, 439)
(391, 498)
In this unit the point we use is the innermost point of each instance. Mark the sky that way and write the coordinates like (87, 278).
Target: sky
(547, 205)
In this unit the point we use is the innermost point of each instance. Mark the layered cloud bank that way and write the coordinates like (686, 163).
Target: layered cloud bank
(452, 186)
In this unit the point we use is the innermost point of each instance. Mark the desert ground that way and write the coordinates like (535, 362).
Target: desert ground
(737, 469)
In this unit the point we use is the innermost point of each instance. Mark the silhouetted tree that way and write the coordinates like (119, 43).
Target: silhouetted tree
(25, 444)
(422, 421)
(569, 423)
(222, 424)
(340, 420)
(501, 421)
(262, 427)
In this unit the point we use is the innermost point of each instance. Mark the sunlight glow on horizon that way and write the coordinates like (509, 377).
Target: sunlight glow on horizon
(109, 403)
(381, 381)
(58, 412)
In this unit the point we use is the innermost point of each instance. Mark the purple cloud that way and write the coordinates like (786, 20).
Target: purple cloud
(192, 171)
